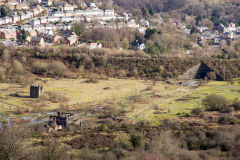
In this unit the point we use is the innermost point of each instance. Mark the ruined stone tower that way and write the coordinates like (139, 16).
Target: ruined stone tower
(35, 91)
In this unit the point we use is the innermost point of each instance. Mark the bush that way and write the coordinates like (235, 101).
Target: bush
(211, 76)
(215, 102)
(136, 140)
(236, 105)
(91, 80)
(226, 120)
(122, 74)
(227, 109)
(18, 67)
(6, 55)
(39, 67)
(164, 144)
(58, 68)
(197, 111)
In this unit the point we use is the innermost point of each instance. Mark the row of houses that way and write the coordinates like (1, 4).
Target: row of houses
(67, 19)
(21, 17)
(89, 12)
(47, 27)
(8, 34)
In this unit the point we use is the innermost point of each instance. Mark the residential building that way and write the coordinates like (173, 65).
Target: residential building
(53, 19)
(59, 14)
(49, 38)
(60, 3)
(39, 41)
(16, 18)
(22, 6)
(68, 7)
(23, 16)
(69, 13)
(144, 22)
(72, 40)
(2, 21)
(109, 12)
(95, 45)
(29, 14)
(35, 22)
(8, 34)
(10, 6)
(47, 2)
(221, 28)
(43, 20)
(132, 24)
(13, 2)
(37, 1)
(7, 20)
(138, 46)
(79, 13)
(202, 29)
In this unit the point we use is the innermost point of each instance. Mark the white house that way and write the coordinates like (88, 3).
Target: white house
(94, 45)
(35, 22)
(2, 21)
(79, 13)
(23, 16)
(132, 24)
(79, 18)
(7, 20)
(68, 7)
(37, 1)
(144, 23)
(109, 12)
(67, 19)
(201, 29)
(69, 13)
(53, 19)
(13, 2)
(16, 18)
(59, 14)
(29, 14)
(46, 2)
(43, 20)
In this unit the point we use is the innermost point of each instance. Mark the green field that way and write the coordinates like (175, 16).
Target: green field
(142, 100)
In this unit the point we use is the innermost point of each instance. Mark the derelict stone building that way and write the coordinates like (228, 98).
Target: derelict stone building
(64, 119)
(36, 91)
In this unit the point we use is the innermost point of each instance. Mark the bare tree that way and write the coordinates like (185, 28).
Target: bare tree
(11, 143)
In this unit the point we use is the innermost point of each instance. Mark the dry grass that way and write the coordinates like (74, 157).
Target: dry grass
(139, 99)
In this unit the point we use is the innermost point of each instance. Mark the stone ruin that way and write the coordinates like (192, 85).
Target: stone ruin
(63, 120)
(36, 91)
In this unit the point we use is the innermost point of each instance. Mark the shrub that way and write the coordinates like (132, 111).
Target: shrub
(226, 120)
(197, 111)
(39, 67)
(87, 61)
(215, 102)
(136, 140)
(227, 109)
(91, 80)
(211, 76)
(236, 105)
(122, 74)
(18, 67)
(164, 144)
(58, 68)
(12, 145)
(6, 55)
(53, 150)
